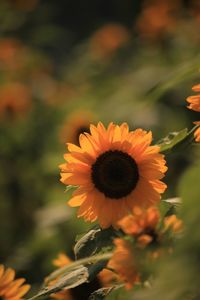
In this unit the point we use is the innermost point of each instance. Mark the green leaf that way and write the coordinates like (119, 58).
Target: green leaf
(172, 139)
(169, 206)
(70, 280)
(93, 242)
(84, 261)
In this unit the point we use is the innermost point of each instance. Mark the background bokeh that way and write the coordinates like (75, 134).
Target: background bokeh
(64, 65)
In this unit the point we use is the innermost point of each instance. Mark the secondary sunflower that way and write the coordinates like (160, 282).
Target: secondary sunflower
(124, 264)
(10, 288)
(116, 170)
(142, 225)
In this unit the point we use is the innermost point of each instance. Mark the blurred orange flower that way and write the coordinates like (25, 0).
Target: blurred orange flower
(11, 288)
(77, 123)
(116, 170)
(15, 100)
(195, 9)
(107, 39)
(157, 18)
(107, 277)
(11, 53)
(173, 223)
(24, 4)
(123, 263)
(62, 260)
(141, 224)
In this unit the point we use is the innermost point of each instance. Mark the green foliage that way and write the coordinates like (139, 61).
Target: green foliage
(71, 279)
(94, 241)
(172, 139)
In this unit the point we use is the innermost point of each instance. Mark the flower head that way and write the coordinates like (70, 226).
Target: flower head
(140, 221)
(123, 263)
(11, 288)
(158, 17)
(173, 223)
(141, 224)
(194, 104)
(116, 170)
(107, 39)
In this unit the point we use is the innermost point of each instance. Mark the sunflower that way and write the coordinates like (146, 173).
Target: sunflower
(116, 170)
(140, 220)
(10, 288)
(194, 104)
(142, 225)
(77, 123)
(123, 263)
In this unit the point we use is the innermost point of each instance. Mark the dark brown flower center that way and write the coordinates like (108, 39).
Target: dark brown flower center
(115, 173)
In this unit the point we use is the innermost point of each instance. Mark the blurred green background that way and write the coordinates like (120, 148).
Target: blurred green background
(64, 65)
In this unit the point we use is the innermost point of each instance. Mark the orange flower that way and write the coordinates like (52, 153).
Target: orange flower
(194, 104)
(115, 170)
(10, 288)
(173, 223)
(141, 224)
(79, 122)
(140, 221)
(8, 49)
(107, 277)
(107, 39)
(123, 263)
(157, 18)
(12, 54)
(62, 260)
(15, 100)
(24, 4)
